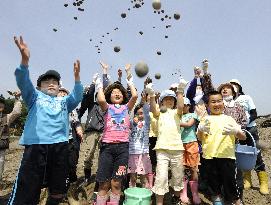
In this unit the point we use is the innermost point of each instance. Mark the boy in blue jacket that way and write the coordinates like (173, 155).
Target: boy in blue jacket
(45, 136)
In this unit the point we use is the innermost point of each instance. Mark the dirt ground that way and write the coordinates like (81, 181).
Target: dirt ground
(77, 195)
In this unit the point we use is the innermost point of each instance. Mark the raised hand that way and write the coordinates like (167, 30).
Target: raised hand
(97, 81)
(205, 65)
(182, 84)
(95, 77)
(105, 67)
(25, 53)
(128, 71)
(76, 70)
(149, 90)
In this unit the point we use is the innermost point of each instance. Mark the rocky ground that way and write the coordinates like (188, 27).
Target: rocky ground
(77, 195)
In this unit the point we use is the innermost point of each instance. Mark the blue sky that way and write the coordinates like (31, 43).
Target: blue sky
(233, 35)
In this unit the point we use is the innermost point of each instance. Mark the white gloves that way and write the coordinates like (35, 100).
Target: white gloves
(97, 81)
(204, 126)
(205, 65)
(149, 90)
(130, 82)
(182, 84)
(230, 129)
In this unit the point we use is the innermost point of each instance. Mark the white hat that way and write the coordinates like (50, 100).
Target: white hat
(235, 81)
(167, 93)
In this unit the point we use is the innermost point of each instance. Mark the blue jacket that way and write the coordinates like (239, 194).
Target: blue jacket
(48, 117)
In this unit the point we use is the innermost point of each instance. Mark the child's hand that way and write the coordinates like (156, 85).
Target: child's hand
(76, 70)
(147, 81)
(149, 90)
(197, 71)
(205, 65)
(104, 67)
(143, 97)
(182, 84)
(25, 53)
(230, 129)
(97, 81)
(128, 71)
(204, 126)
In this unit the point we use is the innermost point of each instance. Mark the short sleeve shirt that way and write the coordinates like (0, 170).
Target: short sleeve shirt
(189, 133)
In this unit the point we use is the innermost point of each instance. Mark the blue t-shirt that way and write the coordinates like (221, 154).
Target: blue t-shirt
(189, 133)
(48, 116)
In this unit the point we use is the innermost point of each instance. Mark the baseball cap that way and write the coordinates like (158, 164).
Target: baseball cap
(49, 73)
(167, 93)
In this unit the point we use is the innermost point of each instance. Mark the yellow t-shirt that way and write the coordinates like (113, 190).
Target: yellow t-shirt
(215, 144)
(169, 132)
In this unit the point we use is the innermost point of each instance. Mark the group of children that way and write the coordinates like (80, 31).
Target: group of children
(137, 139)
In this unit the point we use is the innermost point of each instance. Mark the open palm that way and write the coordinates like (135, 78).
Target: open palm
(23, 49)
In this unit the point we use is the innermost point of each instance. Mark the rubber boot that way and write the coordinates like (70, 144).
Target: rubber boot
(150, 179)
(194, 189)
(183, 195)
(247, 179)
(263, 180)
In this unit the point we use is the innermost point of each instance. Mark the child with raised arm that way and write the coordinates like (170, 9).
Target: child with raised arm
(45, 135)
(218, 133)
(139, 159)
(191, 152)
(169, 146)
(114, 150)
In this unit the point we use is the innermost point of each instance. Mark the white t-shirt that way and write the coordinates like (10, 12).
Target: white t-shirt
(247, 103)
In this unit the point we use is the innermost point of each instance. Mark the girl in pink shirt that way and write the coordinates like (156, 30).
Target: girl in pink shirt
(114, 150)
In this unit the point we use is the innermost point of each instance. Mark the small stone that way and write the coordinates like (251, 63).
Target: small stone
(66, 5)
(153, 27)
(75, 18)
(116, 49)
(154, 12)
(156, 4)
(169, 17)
(74, 4)
(107, 33)
(80, 9)
(166, 36)
(123, 15)
(55, 30)
(159, 53)
(137, 5)
(162, 19)
(90, 39)
(162, 11)
(177, 16)
(101, 42)
(103, 36)
(111, 40)
(141, 69)
(141, 32)
(166, 16)
(157, 76)
(129, 9)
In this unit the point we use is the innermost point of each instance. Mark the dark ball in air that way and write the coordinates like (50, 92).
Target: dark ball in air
(66, 5)
(156, 4)
(141, 69)
(74, 4)
(177, 16)
(123, 15)
(162, 11)
(157, 76)
(166, 36)
(80, 9)
(158, 53)
(117, 49)
(141, 32)
(162, 19)
(55, 30)
(75, 18)
(137, 5)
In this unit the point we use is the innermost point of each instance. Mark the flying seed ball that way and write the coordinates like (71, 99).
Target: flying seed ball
(162, 11)
(141, 32)
(162, 19)
(123, 15)
(75, 18)
(166, 36)
(159, 53)
(156, 4)
(66, 5)
(116, 49)
(80, 9)
(157, 76)
(177, 16)
(141, 69)
(55, 30)
(137, 5)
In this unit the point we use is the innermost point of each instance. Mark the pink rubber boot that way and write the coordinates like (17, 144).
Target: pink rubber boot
(194, 189)
(183, 195)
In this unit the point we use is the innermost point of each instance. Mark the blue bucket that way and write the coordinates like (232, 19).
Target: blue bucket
(246, 156)
(137, 196)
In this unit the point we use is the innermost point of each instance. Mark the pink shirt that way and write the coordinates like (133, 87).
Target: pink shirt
(117, 124)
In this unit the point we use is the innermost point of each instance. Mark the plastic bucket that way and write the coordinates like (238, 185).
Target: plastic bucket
(246, 156)
(137, 196)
